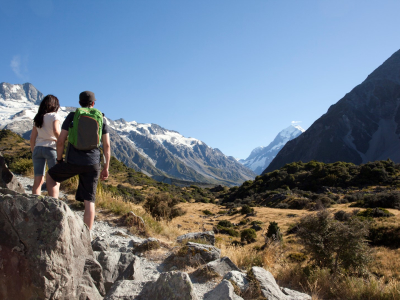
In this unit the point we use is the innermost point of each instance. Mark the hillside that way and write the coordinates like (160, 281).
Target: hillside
(363, 126)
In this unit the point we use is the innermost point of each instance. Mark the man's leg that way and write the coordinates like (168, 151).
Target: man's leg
(52, 186)
(88, 216)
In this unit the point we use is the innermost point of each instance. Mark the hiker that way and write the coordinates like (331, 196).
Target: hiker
(45, 131)
(83, 129)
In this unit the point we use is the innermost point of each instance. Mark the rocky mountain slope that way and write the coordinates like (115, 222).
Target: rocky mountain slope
(363, 126)
(260, 158)
(149, 148)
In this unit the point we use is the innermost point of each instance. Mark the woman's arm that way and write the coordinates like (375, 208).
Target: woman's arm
(56, 128)
(34, 135)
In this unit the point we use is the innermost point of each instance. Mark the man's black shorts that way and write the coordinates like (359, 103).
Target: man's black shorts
(88, 178)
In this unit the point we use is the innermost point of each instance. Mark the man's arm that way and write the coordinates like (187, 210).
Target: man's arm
(107, 155)
(60, 143)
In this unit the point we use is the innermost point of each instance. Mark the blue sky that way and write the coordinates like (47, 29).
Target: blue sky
(230, 73)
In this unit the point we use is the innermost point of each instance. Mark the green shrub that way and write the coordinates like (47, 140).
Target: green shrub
(377, 212)
(22, 166)
(162, 206)
(225, 223)
(222, 212)
(384, 235)
(227, 230)
(274, 231)
(246, 210)
(333, 244)
(207, 212)
(248, 235)
(244, 221)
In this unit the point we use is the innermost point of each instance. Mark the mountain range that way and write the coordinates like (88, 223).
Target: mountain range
(363, 126)
(158, 152)
(260, 158)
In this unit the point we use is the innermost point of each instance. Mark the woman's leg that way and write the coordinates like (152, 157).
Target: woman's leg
(37, 185)
(39, 163)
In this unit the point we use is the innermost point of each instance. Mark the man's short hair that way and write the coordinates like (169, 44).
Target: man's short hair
(86, 98)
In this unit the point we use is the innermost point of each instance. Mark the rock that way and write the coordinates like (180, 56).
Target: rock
(206, 235)
(193, 254)
(100, 244)
(125, 290)
(119, 266)
(45, 251)
(221, 266)
(7, 178)
(120, 233)
(269, 287)
(295, 295)
(147, 244)
(239, 278)
(92, 270)
(223, 291)
(169, 286)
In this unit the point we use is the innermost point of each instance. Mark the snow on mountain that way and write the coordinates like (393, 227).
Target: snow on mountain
(261, 157)
(149, 148)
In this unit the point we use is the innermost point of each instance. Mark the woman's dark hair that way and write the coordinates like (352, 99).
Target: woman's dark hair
(49, 104)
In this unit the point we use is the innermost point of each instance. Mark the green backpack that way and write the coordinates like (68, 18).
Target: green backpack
(85, 131)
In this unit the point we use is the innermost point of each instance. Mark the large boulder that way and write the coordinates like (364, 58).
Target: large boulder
(169, 286)
(295, 295)
(119, 266)
(221, 266)
(45, 251)
(223, 291)
(206, 235)
(193, 254)
(239, 278)
(125, 290)
(269, 287)
(7, 178)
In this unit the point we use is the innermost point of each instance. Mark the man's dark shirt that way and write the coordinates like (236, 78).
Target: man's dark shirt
(82, 157)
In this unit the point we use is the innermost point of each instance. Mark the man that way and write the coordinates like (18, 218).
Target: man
(85, 163)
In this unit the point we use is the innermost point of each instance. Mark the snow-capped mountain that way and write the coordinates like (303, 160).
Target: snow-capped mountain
(149, 148)
(261, 157)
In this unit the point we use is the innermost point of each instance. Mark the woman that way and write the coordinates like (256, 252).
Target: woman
(46, 129)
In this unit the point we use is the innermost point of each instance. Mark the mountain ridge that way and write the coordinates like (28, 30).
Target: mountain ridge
(146, 147)
(362, 126)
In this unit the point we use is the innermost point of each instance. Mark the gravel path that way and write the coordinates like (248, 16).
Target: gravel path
(120, 239)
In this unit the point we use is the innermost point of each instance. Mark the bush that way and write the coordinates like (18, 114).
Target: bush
(244, 221)
(274, 231)
(22, 166)
(248, 235)
(342, 216)
(225, 223)
(297, 257)
(388, 236)
(377, 212)
(162, 206)
(333, 244)
(227, 230)
(246, 210)
(207, 212)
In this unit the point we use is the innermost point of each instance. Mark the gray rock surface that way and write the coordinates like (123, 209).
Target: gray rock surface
(239, 278)
(7, 179)
(100, 244)
(207, 235)
(119, 266)
(194, 254)
(125, 290)
(169, 286)
(223, 291)
(222, 266)
(45, 251)
(269, 287)
(295, 295)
